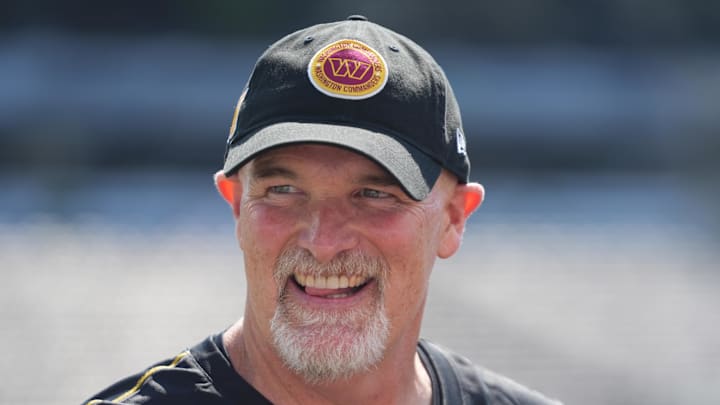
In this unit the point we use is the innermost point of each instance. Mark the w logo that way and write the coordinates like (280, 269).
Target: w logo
(350, 68)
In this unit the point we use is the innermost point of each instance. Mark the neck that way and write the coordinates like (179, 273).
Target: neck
(400, 378)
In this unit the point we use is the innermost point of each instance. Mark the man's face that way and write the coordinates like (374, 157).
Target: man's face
(337, 257)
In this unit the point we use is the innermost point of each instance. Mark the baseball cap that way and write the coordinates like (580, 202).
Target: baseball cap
(357, 85)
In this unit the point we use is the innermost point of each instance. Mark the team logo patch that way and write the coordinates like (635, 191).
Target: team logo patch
(348, 69)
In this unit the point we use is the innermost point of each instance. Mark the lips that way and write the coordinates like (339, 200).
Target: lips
(330, 287)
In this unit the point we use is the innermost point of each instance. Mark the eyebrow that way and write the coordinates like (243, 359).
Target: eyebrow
(264, 168)
(384, 179)
(265, 172)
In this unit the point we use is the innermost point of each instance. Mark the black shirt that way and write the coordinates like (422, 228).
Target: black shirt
(204, 375)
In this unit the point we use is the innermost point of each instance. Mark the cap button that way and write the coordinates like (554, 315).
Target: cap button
(356, 17)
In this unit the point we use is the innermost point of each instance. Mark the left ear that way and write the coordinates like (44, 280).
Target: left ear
(465, 200)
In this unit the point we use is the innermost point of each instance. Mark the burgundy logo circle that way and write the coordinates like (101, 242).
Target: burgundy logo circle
(348, 69)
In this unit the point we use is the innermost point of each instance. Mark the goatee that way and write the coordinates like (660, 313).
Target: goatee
(323, 346)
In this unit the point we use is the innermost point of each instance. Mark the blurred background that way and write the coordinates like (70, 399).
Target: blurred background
(590, 273)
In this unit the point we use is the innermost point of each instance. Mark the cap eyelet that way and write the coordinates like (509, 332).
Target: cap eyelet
(394, 48)
(308, 39)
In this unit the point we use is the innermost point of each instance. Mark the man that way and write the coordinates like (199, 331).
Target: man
(347, 174)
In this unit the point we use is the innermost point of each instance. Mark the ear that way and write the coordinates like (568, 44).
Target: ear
(465, 200)
(229, 189)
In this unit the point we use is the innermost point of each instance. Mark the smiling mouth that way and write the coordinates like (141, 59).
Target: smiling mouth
(330, 287)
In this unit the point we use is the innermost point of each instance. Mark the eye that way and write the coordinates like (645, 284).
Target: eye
(282, 189)
(374, 194)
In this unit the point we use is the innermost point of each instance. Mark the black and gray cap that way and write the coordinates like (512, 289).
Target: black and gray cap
(357, 85)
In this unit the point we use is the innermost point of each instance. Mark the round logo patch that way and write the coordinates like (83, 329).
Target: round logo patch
(348, 69)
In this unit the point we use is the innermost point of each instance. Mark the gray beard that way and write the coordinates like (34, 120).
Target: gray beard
(326, 346)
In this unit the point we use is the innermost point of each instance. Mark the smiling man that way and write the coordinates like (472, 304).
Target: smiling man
(347, 174)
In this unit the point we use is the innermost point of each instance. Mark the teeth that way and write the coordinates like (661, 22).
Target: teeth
(332, 282)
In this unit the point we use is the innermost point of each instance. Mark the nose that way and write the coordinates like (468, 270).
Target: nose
(328, 229)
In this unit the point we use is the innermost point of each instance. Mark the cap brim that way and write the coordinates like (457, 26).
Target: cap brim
(416, 172)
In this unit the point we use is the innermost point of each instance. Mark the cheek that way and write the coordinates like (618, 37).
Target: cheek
(410, 248)
(412, 236)
(263, 228)
(262, 234)
(410, 243)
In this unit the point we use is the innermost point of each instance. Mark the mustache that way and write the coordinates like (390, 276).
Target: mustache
(299, 260)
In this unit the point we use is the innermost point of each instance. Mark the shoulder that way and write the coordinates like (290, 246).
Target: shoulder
(200, 375)
(178, 380)
(479, 385)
